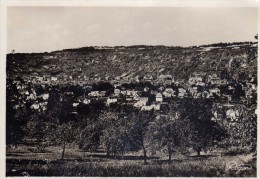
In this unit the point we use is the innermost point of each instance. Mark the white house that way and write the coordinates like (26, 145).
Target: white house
(156, 106)
(215, 91)
(117, 92)
(141, 102)
(232, 114)
(194, 80)
(31, 96)
(45, 96)
(111, 100)
(102, 93)
(182, 92)
(146, 108)
(75, 104)
(168, 92)
(94, 93)
(54, 78)
(123, 92)
(35, 106)
(86, 101)
(158, 97)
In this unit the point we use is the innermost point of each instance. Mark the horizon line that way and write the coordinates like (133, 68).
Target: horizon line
(74, 48)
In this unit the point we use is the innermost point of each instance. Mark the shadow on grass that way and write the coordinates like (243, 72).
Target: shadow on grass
(120, 157)
(14, 155)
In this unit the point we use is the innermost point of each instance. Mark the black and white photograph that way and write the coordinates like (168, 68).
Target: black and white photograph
(131, 91)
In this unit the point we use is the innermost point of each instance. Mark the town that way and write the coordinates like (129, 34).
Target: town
(145, 93)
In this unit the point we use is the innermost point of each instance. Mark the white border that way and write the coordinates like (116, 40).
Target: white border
(107, 3)
(136, 3)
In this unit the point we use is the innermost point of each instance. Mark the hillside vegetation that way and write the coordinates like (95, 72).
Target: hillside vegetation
(134, 61)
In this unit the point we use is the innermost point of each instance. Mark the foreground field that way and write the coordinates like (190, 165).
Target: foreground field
(24, 161)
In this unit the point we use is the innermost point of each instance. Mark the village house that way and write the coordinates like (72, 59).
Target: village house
(136, 96)
(129, 98)
(16, 82)
(117, 84)
(168, 92)
(144, 99)
(158, 97)
(44, 96)
(142, 102)
(43, 106)
(20, 86)
(212, 76)
(218, 81)
(182, 92)
(194, 80)
(75, 104)
(214, 91)
(83, 99)
(232, 114)
(193, 91)
(111, 100)
(31, 97)
(129, 93)
(117, 92)
(17, 106)
(102, 93)
(35, 106)
(200, 83)
(156, 106)
(146, 89)
(146, 108)
(216, 116)
(24, 92)
(123, 92)
(94, 93)
(86, 101)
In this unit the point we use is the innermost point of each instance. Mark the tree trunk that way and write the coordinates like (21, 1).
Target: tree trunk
(108, 153)
(63, 151)
(198, 152)
(145, 157)
(108, 149)
(170, 155)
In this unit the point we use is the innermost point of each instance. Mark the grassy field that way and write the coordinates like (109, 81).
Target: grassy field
(26, 161)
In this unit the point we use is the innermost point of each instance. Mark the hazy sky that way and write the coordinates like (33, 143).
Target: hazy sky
(40, 29)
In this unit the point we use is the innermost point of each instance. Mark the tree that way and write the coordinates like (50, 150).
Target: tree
(61, 134)
(243, 132)
(202, 132)
(35, 127)
(89, 133)
(114, 132)
(53, 100)
(138, 132)
(16, 117)
(168, 135)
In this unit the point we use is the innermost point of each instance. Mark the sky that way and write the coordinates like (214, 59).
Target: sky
(45, 29)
